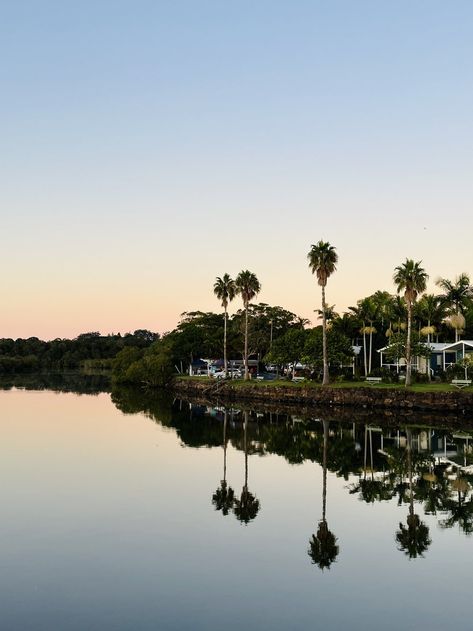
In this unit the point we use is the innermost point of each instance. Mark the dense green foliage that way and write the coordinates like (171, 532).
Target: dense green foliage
(31, 355)
(151, 367)
(270, 333)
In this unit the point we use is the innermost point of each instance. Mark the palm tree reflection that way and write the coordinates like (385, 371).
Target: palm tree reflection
(224, 496)
(413, 539)
(323, 548)
(247, 506)
(460, 509)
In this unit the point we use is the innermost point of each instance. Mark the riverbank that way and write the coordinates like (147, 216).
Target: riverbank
(423, 397)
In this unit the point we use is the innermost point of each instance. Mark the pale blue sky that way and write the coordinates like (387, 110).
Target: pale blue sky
(148, 147)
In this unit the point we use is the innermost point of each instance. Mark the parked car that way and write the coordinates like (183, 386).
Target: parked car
(266, 376)
(232, 374)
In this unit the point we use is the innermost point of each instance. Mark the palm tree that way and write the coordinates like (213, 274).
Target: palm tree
(323, 262)
(457, 296)
(224, 496)
(248, 286)
(225, 290)
(397, 315)
(431, 310)
(368, 310)
(323, 548)
(247, 506)
(412, 278)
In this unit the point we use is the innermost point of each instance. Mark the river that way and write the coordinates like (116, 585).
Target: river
(131, 511)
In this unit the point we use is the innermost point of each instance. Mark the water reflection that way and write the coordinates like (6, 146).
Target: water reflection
(119, 515)
(247, 506)
(414, 538)
(224, 496)
(78, 382)
(425, 468)
(323, 548)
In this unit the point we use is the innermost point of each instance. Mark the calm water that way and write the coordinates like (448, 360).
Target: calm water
(125, 512)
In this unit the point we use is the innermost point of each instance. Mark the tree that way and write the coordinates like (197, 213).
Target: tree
(430, 309)
(288, 349)
(397, 348)
(322, 262)
(224, 289)
(460, 511)
(265, 325)
(248, 286)
(412, 278)
(198, 334)
(339, 348)
(457, 297)
(367, 311)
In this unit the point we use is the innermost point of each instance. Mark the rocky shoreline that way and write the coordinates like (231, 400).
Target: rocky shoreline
(362, 397)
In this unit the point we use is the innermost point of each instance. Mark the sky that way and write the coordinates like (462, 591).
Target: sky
(149, 147)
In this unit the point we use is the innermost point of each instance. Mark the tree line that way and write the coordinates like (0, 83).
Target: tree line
(406, 321)
(88, 349)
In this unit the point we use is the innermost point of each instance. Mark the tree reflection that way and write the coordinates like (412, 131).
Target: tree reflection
(413, 539)
(370, 488)
(224, 496)
(323, 548)
(459, 508)
(433, 489)
(247, 506)
(385, 470)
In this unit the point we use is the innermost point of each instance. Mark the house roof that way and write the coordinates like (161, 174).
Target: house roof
(435, 347)
(459, 346)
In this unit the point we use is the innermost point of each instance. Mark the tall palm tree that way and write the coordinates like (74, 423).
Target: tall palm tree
(224, 496)
(368, 311)
(323, 262)
(412, 278)
(457, 296)
(430, 310)
(323, 548)
(248, 286)
(225, 290)
(397, 315)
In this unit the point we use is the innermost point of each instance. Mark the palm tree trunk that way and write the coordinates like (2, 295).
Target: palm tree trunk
(371, 346)
(365, 358)
(427, 359)
(225, 363)
(326, 379)
(246, 342)
(408, 343)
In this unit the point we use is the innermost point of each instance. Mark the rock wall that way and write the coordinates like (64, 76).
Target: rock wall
(363, 396)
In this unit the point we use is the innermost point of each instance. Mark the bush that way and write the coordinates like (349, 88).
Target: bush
(420, 377)
(455, 372)
(388, 376)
